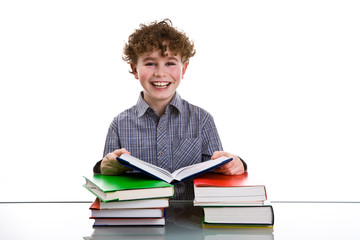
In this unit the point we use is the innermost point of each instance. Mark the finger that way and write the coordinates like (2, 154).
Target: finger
(229, 172)
(110, 157)
(238, 170)
(234, 162)
(120, 152)
(222, 168)
(110, 161)
(228, 165)
(107, 162)
(107, 158)
(218, 170)
(235, 167)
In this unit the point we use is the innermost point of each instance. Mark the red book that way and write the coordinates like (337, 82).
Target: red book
(218, 189)
(221, 180)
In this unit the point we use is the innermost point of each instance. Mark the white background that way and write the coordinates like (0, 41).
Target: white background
(281, 79)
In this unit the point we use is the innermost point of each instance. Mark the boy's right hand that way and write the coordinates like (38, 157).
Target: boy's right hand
(109, 164)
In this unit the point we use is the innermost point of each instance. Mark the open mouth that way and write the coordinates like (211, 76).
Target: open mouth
(160, 84)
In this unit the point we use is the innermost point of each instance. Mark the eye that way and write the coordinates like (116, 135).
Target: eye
(170, 63)
(150, 64)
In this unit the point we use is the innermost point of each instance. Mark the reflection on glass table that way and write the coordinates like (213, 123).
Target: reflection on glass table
(183, 221)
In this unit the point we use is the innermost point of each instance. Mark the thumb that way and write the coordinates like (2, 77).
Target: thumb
(120, 152)
(217, 154)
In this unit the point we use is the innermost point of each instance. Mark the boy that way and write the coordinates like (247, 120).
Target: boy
(162, 128)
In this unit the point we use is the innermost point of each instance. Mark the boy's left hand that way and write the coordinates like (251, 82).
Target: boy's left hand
(234, 167)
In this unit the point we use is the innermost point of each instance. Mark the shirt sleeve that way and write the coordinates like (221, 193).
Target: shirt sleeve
(210, 138)
(112, 139)
(111, 144)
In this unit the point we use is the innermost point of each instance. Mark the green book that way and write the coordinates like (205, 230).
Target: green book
(130, 186)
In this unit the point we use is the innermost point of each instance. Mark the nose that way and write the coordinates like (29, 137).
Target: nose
(160, 72)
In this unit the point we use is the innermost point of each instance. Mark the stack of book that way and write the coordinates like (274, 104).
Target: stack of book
(232, 201)
(132, 199)
(136, 198)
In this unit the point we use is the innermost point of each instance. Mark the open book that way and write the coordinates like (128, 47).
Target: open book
(177, 176)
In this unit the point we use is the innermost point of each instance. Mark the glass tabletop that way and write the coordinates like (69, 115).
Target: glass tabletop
(183, 221)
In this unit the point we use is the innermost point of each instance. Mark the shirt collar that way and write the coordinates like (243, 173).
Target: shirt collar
(142, 106)
(177, 102)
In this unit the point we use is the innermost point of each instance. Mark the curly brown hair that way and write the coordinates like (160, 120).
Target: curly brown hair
(158, 36)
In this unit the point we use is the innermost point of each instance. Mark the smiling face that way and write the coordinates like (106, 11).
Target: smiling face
(159, 75)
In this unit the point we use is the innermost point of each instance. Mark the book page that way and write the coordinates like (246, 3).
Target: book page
(197, 168)
(147, 167)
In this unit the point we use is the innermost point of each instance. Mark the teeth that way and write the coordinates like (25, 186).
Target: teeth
(161, 84)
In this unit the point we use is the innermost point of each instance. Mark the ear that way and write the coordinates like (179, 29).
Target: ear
(185, 65)
(134, 70)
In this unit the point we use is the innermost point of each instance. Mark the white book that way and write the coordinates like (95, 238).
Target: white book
(246, 215)
(179, 175)
(207, 202)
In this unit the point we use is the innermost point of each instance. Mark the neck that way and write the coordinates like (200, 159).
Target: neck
(158, 106)
(160, 109)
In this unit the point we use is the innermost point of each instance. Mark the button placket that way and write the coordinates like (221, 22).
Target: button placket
(162, 143)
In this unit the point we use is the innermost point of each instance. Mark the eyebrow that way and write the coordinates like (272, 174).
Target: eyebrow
(173, 58)
(153, 59)
(149, 59)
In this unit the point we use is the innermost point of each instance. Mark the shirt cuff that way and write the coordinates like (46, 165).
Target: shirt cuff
(96, 168)
(244, 163)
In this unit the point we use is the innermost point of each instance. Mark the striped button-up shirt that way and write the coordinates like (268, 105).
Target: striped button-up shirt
(183, 136)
